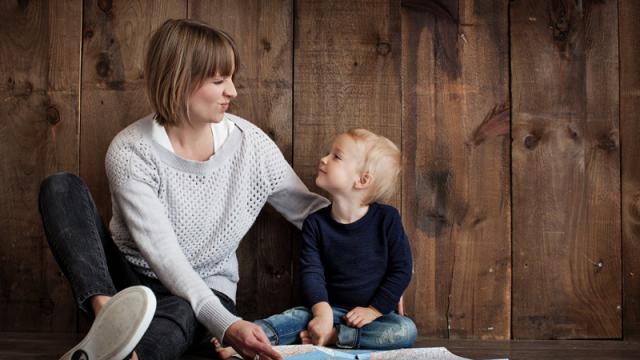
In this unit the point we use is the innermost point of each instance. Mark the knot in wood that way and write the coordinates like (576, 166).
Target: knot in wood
(531, 141)
(105, 5)
(573, 135)
(266, 45)
(383, 48)
(606, 143)
(53, 115)
(103, 67)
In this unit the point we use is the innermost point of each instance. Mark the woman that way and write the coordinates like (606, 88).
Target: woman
(187, 182)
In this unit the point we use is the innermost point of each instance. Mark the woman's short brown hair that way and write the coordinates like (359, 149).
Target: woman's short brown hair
(181, 54)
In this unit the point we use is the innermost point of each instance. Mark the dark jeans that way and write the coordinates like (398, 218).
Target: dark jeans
(90, 260)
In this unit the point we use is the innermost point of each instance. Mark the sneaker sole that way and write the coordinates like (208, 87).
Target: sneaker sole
(118, 327)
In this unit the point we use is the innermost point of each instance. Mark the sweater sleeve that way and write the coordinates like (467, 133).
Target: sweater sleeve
(399, 268)
(153, 234)
(313, 284)
(289, 196)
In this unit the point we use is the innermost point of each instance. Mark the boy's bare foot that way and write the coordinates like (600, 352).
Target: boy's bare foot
(223, 352)
(305, 337)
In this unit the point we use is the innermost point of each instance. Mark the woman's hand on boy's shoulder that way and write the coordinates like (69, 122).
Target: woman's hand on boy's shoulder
(361, 316)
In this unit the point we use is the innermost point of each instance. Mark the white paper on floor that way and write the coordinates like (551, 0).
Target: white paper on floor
(311, 352)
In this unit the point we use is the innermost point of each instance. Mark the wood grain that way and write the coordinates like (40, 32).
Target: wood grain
(263, 32)
(629, 13)
(456, 201)
(566, 170)
(347, 74)
(39, 88)
(114, 38)
(115, 35)
(32, 346)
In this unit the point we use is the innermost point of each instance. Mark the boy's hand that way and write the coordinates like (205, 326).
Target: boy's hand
(361, 316)
(321, 330)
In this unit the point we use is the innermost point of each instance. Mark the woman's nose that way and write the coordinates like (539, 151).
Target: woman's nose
(230, 90)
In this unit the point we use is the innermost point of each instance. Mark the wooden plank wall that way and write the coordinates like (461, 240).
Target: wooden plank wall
(629, 30)
(566, 170)
(40, 118)
(517, 121)
(456, 200)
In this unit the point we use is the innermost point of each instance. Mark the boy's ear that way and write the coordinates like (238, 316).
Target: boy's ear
(364, 181)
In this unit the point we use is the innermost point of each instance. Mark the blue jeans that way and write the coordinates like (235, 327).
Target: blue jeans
(387, 332)
(90, 260)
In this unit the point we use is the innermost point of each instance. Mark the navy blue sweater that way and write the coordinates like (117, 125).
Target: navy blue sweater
(367, 262)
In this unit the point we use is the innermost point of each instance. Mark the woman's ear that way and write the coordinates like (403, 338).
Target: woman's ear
(364, 181)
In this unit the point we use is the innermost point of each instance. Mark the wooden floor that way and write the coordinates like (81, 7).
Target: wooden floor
(49, 346)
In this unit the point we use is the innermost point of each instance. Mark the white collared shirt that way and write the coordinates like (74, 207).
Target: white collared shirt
(220, 131)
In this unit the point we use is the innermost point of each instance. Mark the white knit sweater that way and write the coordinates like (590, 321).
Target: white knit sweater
(181, 221)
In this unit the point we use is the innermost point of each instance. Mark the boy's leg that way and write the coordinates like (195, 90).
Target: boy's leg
(80, 242)
(387, 332)
(285, 328)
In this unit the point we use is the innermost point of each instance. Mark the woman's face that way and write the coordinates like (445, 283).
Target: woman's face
(211, 100)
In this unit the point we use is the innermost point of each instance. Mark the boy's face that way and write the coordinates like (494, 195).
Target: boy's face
(341, 168)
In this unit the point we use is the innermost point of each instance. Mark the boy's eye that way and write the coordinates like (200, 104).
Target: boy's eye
(337, 157)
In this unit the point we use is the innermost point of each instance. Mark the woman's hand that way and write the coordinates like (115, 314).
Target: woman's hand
(249, 340)
(361, 316)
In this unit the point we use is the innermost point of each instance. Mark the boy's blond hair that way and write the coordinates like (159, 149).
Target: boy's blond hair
(181, 54)
(382, 161)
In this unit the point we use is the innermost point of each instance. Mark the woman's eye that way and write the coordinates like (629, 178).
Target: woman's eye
(218, 82)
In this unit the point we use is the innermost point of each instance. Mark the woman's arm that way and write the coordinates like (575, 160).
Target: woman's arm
(153, 234)
(289, 195)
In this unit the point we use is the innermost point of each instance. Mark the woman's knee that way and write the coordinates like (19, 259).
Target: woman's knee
(171, 332)
(180, 315)
(59, 184)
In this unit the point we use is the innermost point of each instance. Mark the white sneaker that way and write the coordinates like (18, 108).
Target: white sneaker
(118, 327)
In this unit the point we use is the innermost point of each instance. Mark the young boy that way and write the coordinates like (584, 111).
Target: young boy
(355, 259)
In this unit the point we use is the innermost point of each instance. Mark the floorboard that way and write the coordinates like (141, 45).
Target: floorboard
(34, 346)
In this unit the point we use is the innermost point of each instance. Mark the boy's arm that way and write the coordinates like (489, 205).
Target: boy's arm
(314, 289)
(399, 269)
(313, 283)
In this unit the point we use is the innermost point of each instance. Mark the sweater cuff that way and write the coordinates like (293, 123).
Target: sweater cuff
(312, 299)
(384, 302)
(216, 318)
